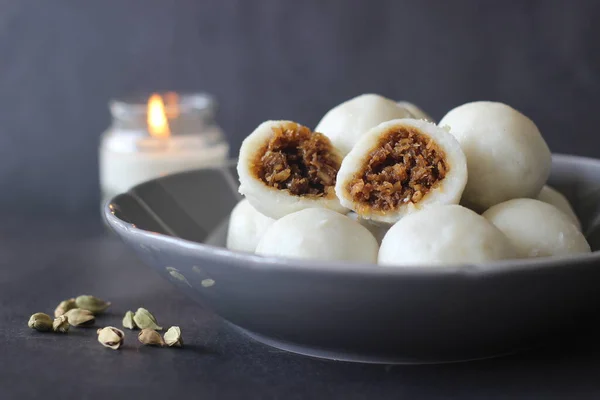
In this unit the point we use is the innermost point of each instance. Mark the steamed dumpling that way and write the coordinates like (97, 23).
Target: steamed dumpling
(537, 229)
(415, 112)
(377, 229)
(285, 167)
(506, 155)
(319, 234)
(443, 235)
(246, 227)
(554, 197)
(401, 166)
(347, 122)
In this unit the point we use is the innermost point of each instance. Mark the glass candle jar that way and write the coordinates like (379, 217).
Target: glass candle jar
(158, 135)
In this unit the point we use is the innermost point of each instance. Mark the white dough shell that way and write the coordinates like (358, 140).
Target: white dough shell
(537, 229)
(377, 229)
(506, 155)
(552, 196)
(415, 112)
(319, 234)
(446, 191)
(347, 122)
(272, 202)
(246, 227)
(443, 235)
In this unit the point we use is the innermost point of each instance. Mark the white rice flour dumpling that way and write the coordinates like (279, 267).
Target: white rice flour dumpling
(506, 155)
(401, 166)
(552, 196)
(285, 167)
(319, 234)
(537, 229)
(246, 227)
(444, 235)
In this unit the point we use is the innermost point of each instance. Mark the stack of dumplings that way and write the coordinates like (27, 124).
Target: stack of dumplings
(378, 181)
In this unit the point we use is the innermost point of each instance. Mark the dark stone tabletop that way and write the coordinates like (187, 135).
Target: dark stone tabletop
(47, 259)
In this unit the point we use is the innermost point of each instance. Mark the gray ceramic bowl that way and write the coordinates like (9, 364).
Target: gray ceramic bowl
(177, 225)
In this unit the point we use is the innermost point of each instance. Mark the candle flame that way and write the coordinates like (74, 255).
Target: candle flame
(158, 125)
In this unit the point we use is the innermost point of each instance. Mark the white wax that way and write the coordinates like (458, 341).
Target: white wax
(126, 161)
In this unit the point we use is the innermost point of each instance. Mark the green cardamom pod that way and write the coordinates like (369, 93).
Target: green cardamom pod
(173, 337)
(145, 320)
(150, 337)
(40, 322)
(128, 321)
(79, 317)
(92, 303)
(64, 306)
(111, 337)
(61, 324)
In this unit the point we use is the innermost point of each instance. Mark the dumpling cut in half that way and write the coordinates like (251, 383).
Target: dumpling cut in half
(401, 166)
(285, 167)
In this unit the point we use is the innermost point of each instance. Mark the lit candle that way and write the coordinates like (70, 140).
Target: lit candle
(146, 141)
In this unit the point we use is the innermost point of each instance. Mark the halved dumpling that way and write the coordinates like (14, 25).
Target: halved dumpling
(285, 167)
(401, 166)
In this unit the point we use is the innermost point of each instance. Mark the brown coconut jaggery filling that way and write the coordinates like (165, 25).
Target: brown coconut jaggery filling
(403, 167)
(298, 160)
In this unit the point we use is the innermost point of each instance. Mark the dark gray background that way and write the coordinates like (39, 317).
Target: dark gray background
(61, 61)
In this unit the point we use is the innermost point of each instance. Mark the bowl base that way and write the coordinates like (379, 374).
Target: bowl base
(334, 355)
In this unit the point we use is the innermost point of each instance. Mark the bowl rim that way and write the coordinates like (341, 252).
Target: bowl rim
(269, 263)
